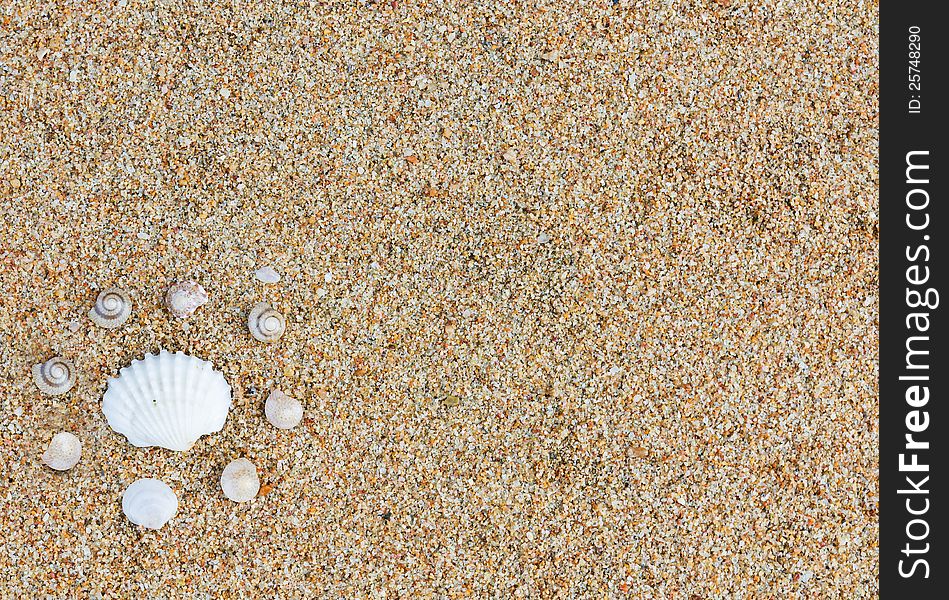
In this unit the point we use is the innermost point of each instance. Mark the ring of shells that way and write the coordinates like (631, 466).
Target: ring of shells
(154, 402)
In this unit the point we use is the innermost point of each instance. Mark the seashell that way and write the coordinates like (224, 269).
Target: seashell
(267, 275)
(149, 503)
(55, 376)
(168, 400)
(282, 411)
(63, 451)
(266, 324)
(239, 480)
(113, 308)
(184, 298)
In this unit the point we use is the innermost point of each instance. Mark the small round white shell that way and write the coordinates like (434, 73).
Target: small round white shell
(63, 451)
(149, 503)
(112, 309)
(265, 323)
(55, 376)
(239, 480)
(282, 411)
(184, 298)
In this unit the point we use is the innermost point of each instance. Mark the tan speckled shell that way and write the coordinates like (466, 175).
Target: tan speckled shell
(63, 452)
(239, 480)
(282, 411)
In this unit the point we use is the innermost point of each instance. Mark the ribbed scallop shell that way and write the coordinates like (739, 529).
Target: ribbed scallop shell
(112, 308)
(265, 323)
(167, 400)
(55, 376)
(149, 503)
(239, 480)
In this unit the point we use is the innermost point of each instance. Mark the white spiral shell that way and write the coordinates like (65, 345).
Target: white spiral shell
(112, 309)
(167, 400)
(239, 480)
(265, 323)
(149, 503)
(63, 451)
(282, 411)
(55, 376)
(184, 298)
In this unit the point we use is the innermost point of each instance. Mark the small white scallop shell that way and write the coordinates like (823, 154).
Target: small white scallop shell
(63, 452)
(112, 309)
(282, 411)
(239, 480)
(168, 400)
(149, 503)
(184, 298)
(265, 324)
(55, 376)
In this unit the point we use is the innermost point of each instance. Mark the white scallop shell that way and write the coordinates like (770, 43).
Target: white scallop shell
(265, 324)
(184, 298)
(55, 376)
(282, 411)
(63, 452)
(167, 400)
(149, 503)
(112, 308)
(239, 480)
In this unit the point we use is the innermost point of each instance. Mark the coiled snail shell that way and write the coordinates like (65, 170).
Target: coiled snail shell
(265, 323)
(55, 376)
(112, 309)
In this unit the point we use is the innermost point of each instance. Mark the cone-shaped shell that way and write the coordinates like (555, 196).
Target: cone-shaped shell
(167, 400)
(282, 411)
(149, 503)
(266, 324)
(55, 376)
(112, 308)
(239, 480)
(63, 451)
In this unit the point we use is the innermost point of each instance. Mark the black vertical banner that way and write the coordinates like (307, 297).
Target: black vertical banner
(913, 267)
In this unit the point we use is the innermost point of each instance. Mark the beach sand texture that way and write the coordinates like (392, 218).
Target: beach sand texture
(580, 297)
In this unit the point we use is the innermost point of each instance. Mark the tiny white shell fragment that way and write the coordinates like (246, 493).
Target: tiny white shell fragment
(184, 298)
(149, 503)
(112, 309)
(55, 376)
(239, 480)
(267, 275)
(265, 323)
(63, 452)
(282, 411)
(168, 400)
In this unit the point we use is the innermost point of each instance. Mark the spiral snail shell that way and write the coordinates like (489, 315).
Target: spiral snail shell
(112, 308)
(55, 376)
(265, 323)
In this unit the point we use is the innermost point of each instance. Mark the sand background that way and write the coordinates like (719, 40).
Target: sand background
(581, 297)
